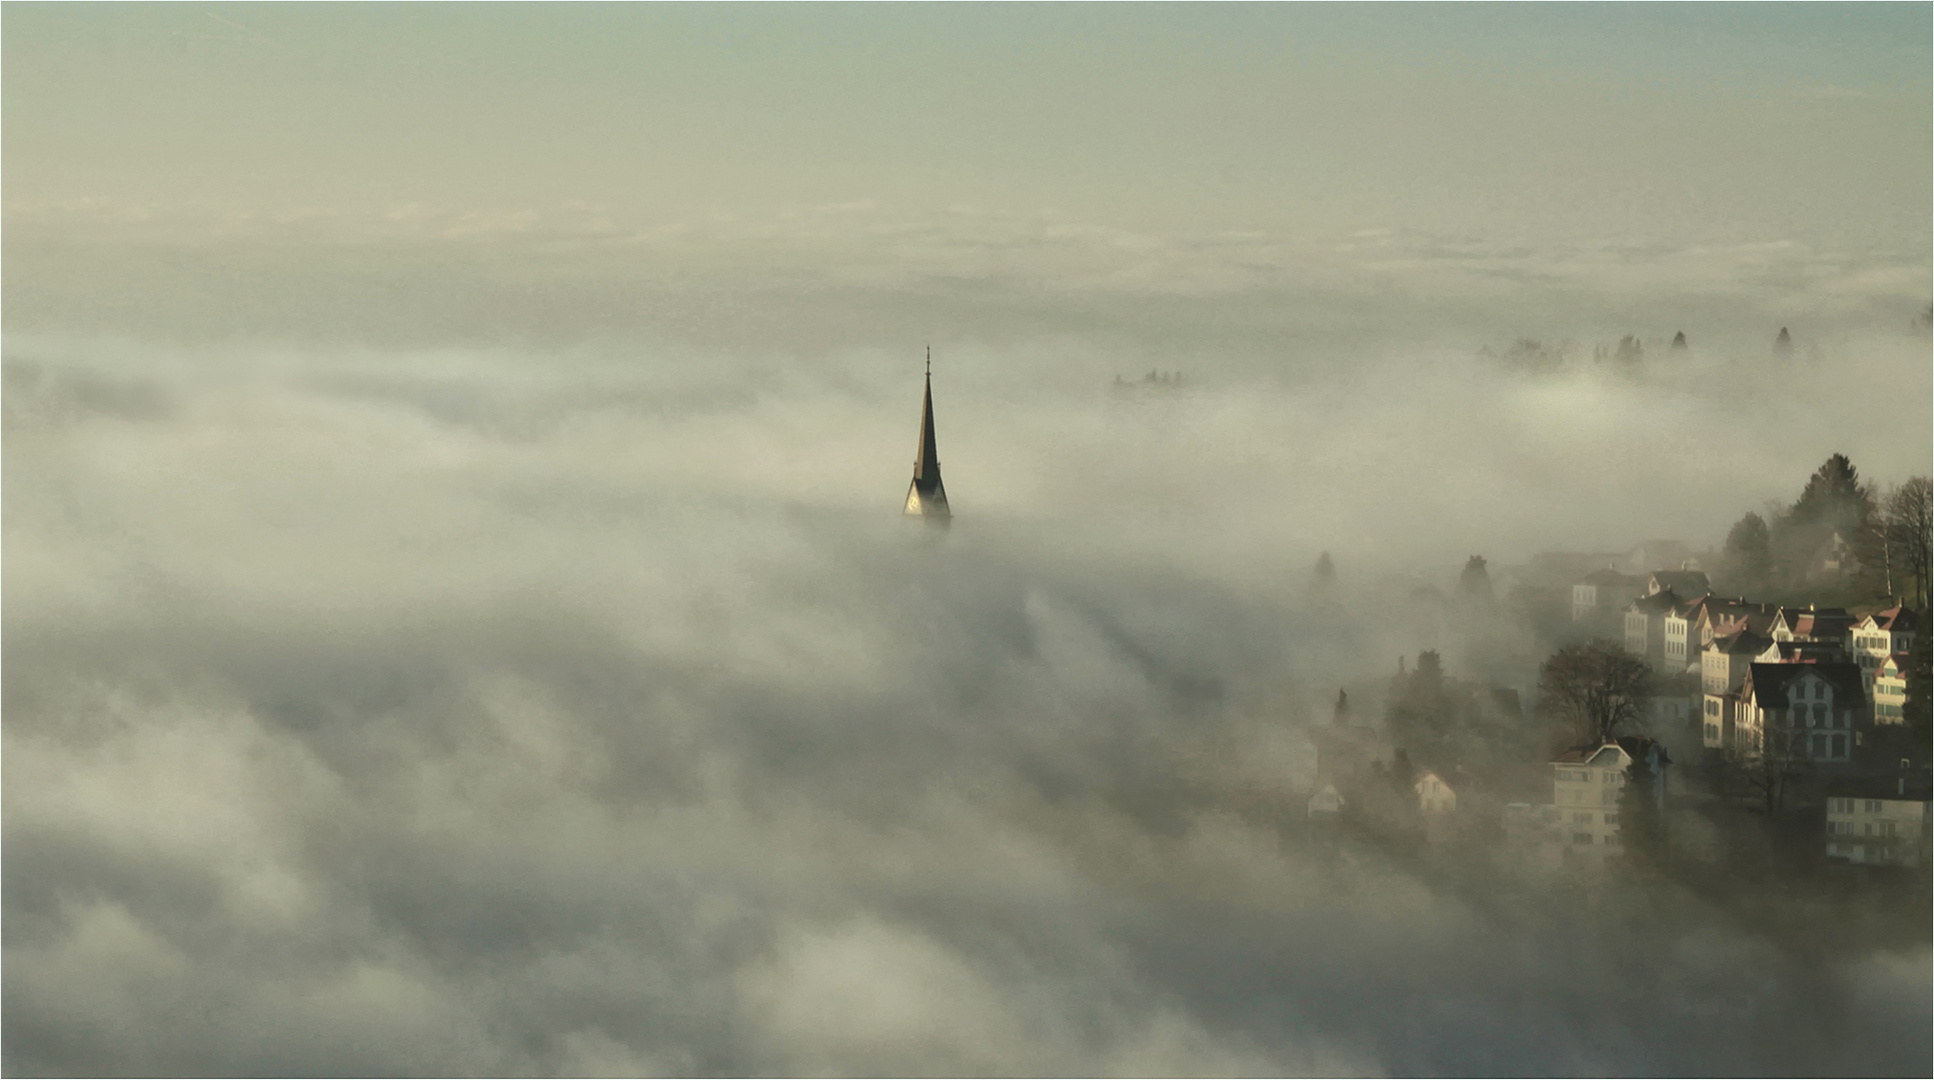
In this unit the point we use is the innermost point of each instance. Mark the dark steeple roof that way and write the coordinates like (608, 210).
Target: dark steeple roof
(926, 497)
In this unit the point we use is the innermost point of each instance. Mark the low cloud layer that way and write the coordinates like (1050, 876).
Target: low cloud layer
(823, 279)
(588, 711)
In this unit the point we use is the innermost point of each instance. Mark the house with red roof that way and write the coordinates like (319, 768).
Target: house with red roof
(1883, 634)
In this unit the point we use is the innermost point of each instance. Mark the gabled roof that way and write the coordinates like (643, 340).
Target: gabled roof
(1814, 622)
(1636, 746)
(1690, 610)
(1766, 684)
(1655, 603)
(1428, 774)
(1735, 613)
(1894, 619)
(1626, 747)
(1802, 652)
(1683, 582)
(1741, 642)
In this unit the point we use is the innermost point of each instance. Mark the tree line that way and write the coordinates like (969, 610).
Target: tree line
(1842, 532)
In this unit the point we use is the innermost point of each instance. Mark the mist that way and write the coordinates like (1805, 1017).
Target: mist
(459, 618)
(590, 711)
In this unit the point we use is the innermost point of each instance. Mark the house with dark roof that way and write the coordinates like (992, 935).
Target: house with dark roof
(1603, 591)
(1645, 626)
(1686, 583)
(1715, 617)
(1680, 628)
(1823, 626)
(1813, 710)
(1643, 557)
(1801, 652)
(1722, 670)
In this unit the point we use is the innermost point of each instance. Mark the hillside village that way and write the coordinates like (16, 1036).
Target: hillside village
(1689, 707)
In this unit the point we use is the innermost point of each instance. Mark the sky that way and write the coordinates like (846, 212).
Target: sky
(457, 618)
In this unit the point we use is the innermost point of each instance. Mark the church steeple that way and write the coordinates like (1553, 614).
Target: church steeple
(926, 497)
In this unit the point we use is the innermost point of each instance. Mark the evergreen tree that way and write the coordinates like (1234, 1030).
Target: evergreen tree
(1641, 824)
(1475, 582)
(1749, 554)
(1783, 345)
(1429, 676)
(1324, 572)
(1419, 713)
(1679, 340)
(1834, 502)
(1833, 494)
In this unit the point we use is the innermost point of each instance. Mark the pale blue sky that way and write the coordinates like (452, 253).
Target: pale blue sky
(1750, 120)
(1776, 151)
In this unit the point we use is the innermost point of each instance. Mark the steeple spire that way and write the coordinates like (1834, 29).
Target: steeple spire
(926, 497)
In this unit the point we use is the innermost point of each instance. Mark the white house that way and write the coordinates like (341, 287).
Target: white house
(1603, 591)
(1881, 635)
(1686, 630)
(1434, 796)
(1645, 626)
(1822, 626)
(1890, 690)
(1879, 822)
(1586, 785)
(1327, 802)
(1818, 706)
(1722, 670)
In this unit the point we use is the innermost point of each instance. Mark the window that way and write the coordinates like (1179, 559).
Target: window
(1873, 806)
(1611, 819)
(1820, 714)
(1886, 828)
(1583, 838)
(1581, 819)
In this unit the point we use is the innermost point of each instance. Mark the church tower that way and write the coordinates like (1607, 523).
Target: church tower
(927, 498)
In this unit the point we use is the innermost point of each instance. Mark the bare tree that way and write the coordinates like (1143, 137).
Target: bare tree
(1910, 534)
(1596, 685)
(1765, 770)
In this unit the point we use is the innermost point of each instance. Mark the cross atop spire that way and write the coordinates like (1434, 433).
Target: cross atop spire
(926, 497)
